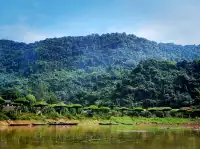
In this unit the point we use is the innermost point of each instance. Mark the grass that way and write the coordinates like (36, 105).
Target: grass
(96, 119)
(138, 120)
(142, 120)
(29, 116)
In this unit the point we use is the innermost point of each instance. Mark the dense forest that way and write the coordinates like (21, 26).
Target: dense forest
(104, 70)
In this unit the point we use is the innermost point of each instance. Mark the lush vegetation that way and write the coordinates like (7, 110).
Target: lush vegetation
(107, 72)
(27, 108)
(159, 83)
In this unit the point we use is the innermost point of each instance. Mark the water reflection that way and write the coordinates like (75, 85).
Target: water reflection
(97, 137)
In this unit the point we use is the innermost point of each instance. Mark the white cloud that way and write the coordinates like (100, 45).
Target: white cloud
(178, 32)
(21, 32)
(179, 24)
(168, 34)
(156, 31)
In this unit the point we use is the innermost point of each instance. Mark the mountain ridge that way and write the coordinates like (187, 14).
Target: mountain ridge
(28, 43)
(83, 69)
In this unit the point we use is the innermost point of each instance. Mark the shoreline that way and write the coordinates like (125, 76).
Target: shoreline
(135, 122)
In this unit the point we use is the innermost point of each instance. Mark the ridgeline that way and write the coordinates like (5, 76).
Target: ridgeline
(109, 70)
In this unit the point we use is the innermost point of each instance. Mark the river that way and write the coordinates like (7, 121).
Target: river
(98, 137)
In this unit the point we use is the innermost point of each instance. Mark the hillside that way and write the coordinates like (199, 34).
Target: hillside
(84, 69)
(160, 83)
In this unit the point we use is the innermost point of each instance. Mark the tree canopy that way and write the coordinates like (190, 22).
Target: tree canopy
(104, 70)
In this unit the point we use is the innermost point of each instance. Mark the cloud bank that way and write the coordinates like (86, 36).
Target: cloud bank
(179, 23)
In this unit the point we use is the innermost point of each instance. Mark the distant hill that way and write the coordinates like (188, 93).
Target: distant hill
(92, 50)
(83, 69)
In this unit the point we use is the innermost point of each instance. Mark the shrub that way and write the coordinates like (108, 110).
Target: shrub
(3, 117)
(48, 109)
(29, 116)
(23, 101)
(53, 115)
(31, 98)
(11, 114)
(2, 101)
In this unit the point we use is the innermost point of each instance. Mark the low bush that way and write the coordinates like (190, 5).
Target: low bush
(29, 116)
(11, 114)
(3, 117)
(53, 115)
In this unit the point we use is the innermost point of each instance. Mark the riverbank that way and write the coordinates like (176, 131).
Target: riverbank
(115, 120)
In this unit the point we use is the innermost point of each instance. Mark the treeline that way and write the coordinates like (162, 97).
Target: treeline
(151, 84)
(28, 108)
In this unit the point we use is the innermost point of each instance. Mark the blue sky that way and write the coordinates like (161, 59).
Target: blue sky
(175, 21)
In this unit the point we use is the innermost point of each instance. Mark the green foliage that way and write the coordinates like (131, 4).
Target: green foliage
(175, 110)
(154, 120)
(183, 109)
(166, 109)
(22, 101)
(138, 109)
(31, 98)
(3, 117)
(53, 115)
(74, 106)
(152, 109)
(104, 109)
(2, 101)
(40, 104)
(122, 108)
(158, 84)
(60, 104)
(11, 114)
(29, 116)
(159, 109)
(172, 63)
(8, 93)
(99, 70)
(92, 107)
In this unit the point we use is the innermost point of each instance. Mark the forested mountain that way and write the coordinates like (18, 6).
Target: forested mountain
(90, 69)
(159, 83)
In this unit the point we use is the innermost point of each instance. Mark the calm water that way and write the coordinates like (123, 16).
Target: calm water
(101, 137)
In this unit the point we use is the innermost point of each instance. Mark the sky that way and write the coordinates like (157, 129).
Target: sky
(167, 21)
